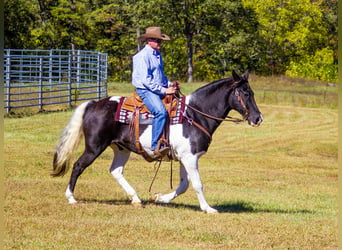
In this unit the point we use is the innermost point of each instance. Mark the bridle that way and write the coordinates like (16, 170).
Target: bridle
(246, 111)
(226, 119)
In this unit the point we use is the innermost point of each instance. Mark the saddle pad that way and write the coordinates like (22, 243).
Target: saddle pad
(124, 115)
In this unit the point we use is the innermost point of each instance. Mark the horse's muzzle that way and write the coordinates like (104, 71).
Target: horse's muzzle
(255, 121)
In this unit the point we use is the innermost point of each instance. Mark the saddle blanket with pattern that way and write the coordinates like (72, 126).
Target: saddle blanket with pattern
(125, 115)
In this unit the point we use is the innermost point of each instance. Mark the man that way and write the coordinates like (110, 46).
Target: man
(151, 83)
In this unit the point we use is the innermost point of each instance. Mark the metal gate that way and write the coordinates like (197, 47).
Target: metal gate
(37, 78)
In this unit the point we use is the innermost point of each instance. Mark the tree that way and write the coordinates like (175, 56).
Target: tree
(288, 29)
(19, 19)
(209, 38)
(228, 40)
(110, 28)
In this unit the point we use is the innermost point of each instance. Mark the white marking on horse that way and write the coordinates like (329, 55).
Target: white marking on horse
(115, 98)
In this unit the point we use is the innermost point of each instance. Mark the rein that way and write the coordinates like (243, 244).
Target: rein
(156, 172)
(226, 119)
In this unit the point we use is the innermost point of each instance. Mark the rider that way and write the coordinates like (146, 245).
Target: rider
(151, 83)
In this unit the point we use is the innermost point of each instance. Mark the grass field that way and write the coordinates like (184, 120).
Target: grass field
(275, 187)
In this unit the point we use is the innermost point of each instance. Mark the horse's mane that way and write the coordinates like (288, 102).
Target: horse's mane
(213, 86)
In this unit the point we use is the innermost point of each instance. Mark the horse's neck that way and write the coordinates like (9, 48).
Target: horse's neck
(213, 99)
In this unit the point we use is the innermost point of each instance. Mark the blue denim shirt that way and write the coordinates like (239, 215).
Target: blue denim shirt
(148, 71)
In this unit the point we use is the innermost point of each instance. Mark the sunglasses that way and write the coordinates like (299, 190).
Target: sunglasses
(156, 40)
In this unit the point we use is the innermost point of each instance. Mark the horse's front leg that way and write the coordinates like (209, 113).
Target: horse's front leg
(191, 165)
(117, 169)
(183, 186)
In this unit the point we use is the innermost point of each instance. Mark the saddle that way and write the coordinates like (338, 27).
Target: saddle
(134, 102)
(133, 111)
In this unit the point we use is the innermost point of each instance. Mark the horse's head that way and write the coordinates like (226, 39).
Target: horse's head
(242, 100)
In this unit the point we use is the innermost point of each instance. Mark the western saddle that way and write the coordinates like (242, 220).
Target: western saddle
(135, 104)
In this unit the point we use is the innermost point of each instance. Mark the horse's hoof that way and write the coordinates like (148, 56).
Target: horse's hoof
(154, 197)
(136, 204)
(211, 211)
(71, 200)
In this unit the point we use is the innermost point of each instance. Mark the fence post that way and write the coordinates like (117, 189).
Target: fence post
(105, 73)
(50, 69)
(8, 80)
(40, 87)
(98, 76)
(69, 80)
(78, 69)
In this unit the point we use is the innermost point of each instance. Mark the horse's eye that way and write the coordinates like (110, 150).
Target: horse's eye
(245, 92)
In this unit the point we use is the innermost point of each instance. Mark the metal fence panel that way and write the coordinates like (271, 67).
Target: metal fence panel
(51, 77)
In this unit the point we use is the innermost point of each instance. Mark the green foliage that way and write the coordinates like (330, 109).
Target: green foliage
(230, 41)
(209, 37)
(319, 66)
(19, 17)
(288, 30)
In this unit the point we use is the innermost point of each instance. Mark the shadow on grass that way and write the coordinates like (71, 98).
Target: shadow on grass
(250, 207)
(241, 207)
(108, 202)
(228, 207)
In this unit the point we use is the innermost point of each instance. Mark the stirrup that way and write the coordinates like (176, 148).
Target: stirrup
(162, 149)
(162, 143)
(160, 153)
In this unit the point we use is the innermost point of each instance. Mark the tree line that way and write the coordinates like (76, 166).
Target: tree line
(209, 37)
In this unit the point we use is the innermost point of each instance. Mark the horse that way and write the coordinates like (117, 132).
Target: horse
(205, 109)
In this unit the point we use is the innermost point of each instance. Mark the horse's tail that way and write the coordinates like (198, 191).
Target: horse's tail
(71, 137)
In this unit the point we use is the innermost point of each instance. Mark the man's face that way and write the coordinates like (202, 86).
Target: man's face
(154, 43)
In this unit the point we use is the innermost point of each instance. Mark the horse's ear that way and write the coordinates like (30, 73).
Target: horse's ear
(246, 74)
(236, 77)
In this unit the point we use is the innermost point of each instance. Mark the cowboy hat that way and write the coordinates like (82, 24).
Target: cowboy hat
(153, 32)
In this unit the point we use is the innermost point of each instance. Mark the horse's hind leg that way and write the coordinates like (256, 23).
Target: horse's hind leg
(117, 169)
(80, 165)
(182, 187)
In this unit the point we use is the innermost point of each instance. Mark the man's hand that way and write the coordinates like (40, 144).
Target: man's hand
(175, 84)
(170, 90)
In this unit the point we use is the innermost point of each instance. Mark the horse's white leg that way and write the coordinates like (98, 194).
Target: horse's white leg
(117, 168)
(183, 186)
(70, 196)
(191, 165)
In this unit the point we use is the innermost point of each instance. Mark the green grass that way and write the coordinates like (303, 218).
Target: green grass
(275, 187)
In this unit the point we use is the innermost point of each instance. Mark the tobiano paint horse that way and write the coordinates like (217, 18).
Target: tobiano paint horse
(207, 106)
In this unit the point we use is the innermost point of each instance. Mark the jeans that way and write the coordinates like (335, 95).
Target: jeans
(154, 103)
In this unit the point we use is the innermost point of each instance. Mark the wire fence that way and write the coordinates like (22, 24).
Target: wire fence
(39, 78)
(327, 98)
